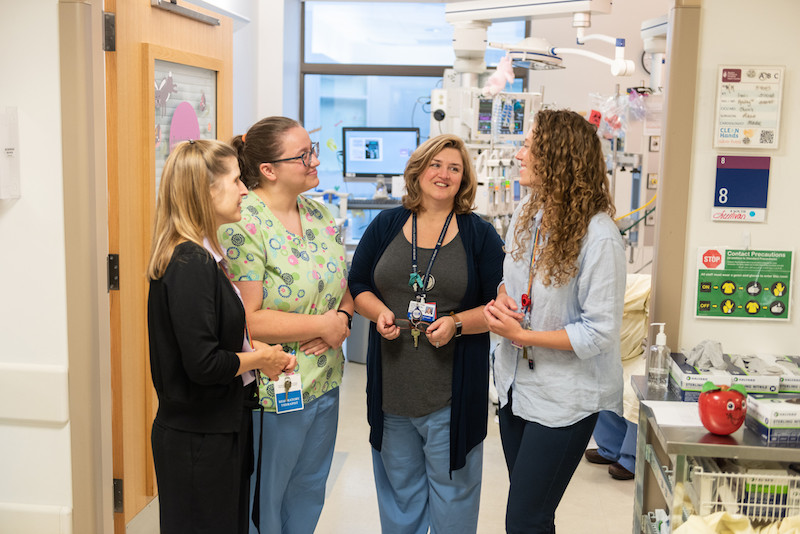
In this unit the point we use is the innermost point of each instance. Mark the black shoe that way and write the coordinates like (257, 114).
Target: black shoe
(594, 457)
(618, 472)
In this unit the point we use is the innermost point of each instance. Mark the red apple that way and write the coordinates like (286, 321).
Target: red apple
(722, 408)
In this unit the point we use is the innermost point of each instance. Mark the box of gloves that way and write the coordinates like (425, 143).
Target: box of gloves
(775, 418)
(686, 379)
(756, 374)
(788, 369)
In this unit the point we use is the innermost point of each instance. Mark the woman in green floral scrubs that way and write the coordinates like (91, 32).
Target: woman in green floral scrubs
(287, 258)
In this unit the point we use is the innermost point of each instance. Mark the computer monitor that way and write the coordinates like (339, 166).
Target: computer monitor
(370, 153)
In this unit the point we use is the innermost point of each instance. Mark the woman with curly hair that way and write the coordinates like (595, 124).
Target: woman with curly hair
(559, 311)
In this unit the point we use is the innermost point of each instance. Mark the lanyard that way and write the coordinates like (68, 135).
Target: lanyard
(248, 337)
(527, 298)
(422, 284)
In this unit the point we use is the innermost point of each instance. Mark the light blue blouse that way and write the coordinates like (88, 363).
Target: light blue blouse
(567, 386)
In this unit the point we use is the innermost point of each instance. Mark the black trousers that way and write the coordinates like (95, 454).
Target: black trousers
(541, 461)
(203, 479)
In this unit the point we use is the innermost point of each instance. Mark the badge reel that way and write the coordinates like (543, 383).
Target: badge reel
(419, 310)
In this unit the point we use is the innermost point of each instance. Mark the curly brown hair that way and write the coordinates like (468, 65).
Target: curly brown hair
(567, 158)
(419, 162)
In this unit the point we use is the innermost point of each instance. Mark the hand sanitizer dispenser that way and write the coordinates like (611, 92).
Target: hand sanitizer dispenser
(658, 361)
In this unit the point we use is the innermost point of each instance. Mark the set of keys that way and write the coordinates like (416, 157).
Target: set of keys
(416, 326)
(287, 385)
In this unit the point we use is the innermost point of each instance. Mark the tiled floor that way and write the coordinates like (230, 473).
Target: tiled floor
(593, 504)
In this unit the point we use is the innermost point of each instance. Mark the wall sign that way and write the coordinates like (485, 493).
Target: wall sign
(743, 284)
(740, 193)
(748, 106)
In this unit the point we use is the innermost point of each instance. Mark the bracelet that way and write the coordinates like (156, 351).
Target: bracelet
(349, 318)
(457, 321)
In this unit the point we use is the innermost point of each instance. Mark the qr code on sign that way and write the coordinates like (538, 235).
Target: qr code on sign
(767, 137)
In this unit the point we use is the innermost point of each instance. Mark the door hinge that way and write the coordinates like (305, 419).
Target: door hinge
(109, 32)
(113, 272)
(118, 501)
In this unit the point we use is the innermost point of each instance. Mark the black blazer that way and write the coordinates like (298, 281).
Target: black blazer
(196, 324)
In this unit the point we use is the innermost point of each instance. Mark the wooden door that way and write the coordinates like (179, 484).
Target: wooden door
(144, 34)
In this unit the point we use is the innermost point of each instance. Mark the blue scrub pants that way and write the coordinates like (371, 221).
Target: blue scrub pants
(412, 478)
(297, 455)
(616, 439)
(541, 461)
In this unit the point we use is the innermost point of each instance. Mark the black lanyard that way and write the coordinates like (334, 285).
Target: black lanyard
(423, 285)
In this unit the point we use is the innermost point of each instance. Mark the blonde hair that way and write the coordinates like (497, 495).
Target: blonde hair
(420, 161)
(567, 157)
(184, 210)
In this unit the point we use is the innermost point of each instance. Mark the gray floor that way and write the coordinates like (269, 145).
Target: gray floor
(594, 502)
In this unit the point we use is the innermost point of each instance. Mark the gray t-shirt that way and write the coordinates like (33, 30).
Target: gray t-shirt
(418, 382)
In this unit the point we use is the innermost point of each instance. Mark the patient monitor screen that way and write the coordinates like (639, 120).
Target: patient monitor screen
(370, 152)
(507, 115)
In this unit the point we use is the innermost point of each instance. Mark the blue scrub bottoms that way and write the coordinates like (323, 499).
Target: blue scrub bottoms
(413, 482)
(541, 461)
(297, 455)
(616, 439)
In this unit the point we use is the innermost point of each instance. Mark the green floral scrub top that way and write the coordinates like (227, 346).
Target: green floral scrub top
(301, 274)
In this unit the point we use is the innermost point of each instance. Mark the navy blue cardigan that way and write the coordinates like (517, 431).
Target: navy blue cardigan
(469, 407)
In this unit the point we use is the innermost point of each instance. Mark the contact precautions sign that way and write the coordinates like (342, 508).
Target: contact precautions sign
(743, 284)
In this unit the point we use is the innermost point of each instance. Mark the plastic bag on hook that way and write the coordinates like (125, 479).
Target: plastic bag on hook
(614, 110)
(637, 108)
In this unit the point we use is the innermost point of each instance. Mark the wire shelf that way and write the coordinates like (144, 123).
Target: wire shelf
(760, 497)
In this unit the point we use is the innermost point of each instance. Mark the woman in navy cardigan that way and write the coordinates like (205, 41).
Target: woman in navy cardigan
(200, 358)
(422, 274)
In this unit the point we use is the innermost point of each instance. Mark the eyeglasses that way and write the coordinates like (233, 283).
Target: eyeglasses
(405, 324)
(305, 157)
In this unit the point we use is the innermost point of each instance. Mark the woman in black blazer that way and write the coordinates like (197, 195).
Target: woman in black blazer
(201, 358)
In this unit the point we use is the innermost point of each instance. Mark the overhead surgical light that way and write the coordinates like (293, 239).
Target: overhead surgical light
(531, 53)
(535, 53)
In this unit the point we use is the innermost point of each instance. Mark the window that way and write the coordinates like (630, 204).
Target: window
(375, 64)
(389, 33)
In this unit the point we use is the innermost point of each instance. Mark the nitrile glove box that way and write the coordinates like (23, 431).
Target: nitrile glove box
(775, 418)
(752, 382)
(790, 378)
(686, 381)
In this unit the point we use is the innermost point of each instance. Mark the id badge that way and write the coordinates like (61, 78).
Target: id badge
(291, 399)
(526, 325)
(421, 311)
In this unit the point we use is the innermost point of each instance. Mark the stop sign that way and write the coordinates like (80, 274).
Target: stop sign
(712, 259)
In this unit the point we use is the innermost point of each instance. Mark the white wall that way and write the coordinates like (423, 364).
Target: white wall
(266, 58)
(741, 32)
(36, 481)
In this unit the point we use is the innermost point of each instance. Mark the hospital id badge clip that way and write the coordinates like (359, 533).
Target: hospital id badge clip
(419, 310)
(288, 393)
